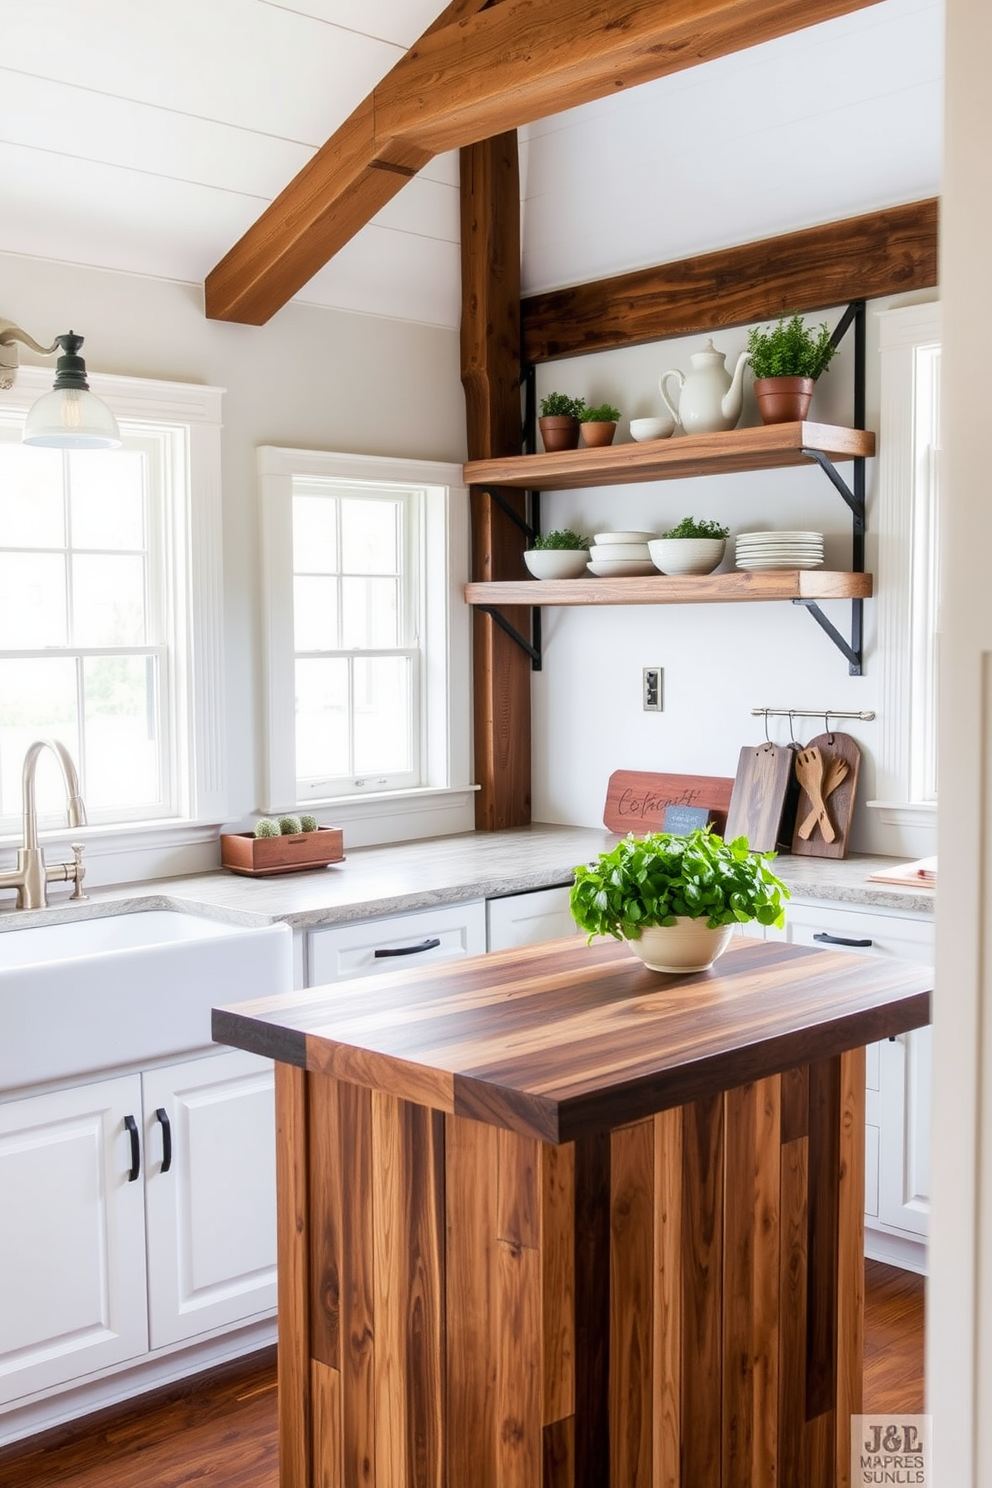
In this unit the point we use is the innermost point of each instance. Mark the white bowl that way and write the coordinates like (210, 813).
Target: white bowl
(652, 428)
(688, 945)
(557, 563)
(687, 555)
(606, 538)
(621, 568)
(612, 551)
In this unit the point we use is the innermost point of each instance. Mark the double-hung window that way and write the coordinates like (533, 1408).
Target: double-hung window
(109, 608)
(366, 634)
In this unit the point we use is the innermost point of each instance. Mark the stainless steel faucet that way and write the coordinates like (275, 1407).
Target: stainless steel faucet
(32, 875)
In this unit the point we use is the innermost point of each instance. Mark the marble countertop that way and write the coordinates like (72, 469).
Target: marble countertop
(373, 882)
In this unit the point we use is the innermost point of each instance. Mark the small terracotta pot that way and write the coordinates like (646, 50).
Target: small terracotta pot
(559, 432)
(783, 400)
(596, 431)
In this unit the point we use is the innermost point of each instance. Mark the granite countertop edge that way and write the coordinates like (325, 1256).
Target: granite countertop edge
(376, 882)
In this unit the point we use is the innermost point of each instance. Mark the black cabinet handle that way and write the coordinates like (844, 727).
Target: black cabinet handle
(425, 945)
(162, 1116)
(826, 939)
(131, 1127)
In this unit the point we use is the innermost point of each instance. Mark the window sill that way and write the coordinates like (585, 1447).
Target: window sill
(905, 813)
(397, 816)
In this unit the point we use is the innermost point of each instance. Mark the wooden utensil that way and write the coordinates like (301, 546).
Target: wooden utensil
(838, 802)
(759, 802)
(834, 772)
(809, 768)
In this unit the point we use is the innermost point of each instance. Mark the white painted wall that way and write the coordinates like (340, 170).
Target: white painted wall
(312, 378)
(720, 661)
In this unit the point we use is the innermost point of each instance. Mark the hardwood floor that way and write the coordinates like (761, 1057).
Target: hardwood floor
(221, 1433)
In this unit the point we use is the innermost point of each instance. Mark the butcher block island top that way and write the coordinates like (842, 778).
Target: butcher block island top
(548, 1219)
(562, 1039)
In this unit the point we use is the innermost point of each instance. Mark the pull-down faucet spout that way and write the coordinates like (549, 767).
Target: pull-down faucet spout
(31, 877)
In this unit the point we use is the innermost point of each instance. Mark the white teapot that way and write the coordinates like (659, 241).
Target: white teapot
(709, 398)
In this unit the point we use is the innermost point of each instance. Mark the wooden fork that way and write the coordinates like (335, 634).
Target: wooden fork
(809, 768)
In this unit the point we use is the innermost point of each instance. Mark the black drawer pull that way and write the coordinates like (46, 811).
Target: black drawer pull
(162, 1116)
(425, 945)
(131, 1127)
(826, 939)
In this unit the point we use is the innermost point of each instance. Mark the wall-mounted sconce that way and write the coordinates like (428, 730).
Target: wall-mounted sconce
(70, 416)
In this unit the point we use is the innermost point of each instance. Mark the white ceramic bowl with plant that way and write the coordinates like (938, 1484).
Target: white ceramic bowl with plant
(562, 554)
(690, 547)
(675, 899)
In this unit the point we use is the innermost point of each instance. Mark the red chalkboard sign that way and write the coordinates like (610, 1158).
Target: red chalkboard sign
(636, 799)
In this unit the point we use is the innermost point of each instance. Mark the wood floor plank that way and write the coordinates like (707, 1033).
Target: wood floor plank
(667, 1311)
(632, 1266)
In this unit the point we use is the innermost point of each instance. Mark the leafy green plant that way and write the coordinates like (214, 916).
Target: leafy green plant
(790, 349)
(564, 538)
(651, 880)
(689, 527)
(560, 405)
(603, 413)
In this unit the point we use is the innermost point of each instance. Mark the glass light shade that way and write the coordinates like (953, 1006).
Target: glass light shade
(71, 418)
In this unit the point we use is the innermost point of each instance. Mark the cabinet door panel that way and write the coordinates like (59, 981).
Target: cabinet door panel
(211, 1217)
(527, 919)
(72, 1253)
(350, 950)
(904, 1189)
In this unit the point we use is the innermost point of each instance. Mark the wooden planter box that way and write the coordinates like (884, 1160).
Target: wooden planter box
(258, 857)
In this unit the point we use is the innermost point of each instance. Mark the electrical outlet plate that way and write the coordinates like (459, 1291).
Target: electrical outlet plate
(651, 689)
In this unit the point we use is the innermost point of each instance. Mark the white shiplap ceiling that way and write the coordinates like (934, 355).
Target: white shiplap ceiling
(146, 137)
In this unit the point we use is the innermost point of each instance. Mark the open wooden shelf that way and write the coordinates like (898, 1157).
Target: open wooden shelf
(768, 447)
(657, 589)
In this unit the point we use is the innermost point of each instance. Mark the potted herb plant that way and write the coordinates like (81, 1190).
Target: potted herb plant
(559, 421)
(598, 425)
(786, 360)
(558, 555)
(676, 899)
(690, 547)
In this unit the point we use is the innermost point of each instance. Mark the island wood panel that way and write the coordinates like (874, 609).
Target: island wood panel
(568, 1039)
(794, 1236)
(470, 77)
(762, 447)
(879, 253)
(724, 588)
(667, 1303)
(293, 1280)
(850, 1258)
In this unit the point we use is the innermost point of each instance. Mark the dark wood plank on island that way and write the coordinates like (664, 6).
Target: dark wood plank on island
(548, 1218)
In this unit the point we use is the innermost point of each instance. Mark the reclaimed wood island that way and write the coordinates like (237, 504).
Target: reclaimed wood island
(551, 1220)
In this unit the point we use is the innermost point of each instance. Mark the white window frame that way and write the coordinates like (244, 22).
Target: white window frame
(442, 803)
(905, 794)
(199, 747)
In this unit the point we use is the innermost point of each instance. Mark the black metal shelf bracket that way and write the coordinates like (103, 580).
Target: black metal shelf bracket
(532, 646)
(526, 528)
(854, 315)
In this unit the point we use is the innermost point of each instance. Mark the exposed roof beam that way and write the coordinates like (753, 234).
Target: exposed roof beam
(479, 71)
(891, 251)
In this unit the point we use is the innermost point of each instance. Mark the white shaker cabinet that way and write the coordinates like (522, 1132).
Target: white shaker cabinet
(136, 1213)
(399, 942)
(72, 1236)
(897, 1112)
(529, 918)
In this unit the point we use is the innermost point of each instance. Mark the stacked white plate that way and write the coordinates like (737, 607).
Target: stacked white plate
(760, 550)
(618, 555)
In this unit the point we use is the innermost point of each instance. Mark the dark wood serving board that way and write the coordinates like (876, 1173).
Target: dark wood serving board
(763, 800)
(840, 802)
(636, 799)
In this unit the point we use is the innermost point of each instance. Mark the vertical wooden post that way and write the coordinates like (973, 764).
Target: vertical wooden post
(490, 370)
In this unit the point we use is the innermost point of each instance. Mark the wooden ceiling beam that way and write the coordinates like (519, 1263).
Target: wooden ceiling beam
(481, 70)
(892, 251)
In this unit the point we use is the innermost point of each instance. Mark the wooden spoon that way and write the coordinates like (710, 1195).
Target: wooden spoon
(835, 772)
(809, 768)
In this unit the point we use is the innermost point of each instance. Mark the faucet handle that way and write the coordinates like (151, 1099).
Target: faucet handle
(77, 871)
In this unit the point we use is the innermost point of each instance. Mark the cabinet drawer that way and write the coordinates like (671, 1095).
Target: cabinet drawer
(888, 934)
(401, 942)
(527, 919)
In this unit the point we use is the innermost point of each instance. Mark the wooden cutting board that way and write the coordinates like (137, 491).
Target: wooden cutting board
(839, 804)
(636, 799)
(763, 800)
